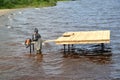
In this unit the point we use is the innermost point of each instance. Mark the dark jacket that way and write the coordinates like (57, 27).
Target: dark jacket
(35, 37)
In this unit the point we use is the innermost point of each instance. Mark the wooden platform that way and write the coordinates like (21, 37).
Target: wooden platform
(84, 37)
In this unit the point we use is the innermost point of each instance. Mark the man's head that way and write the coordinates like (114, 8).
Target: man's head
(35, 30)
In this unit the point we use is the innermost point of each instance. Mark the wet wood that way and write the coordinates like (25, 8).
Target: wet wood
(84, 37)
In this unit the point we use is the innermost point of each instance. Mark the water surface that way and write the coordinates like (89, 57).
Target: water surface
(17, 64)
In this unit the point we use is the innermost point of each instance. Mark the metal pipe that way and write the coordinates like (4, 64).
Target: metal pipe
(72, 48)
(30, 48)
(68, 48)
(72, 45)
(102, 47)
(64, 48)
(33, 47)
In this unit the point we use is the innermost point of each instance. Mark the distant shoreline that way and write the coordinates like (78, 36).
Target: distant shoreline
(6, 11)
(8, 4)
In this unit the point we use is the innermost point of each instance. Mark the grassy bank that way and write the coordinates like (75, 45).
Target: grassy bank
(9, 4)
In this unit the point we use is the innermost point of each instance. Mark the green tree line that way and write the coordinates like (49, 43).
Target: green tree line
(26, 3)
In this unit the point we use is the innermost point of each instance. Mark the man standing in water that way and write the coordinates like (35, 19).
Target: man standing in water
(36, 38)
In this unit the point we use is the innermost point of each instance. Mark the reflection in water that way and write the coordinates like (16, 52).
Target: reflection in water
(39, 57)
(100, 59)
(30, 55)
(16, 63)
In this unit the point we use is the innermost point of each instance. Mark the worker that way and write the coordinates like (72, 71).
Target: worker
(36, 38)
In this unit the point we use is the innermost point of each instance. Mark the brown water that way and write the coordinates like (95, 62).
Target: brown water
(17, 64)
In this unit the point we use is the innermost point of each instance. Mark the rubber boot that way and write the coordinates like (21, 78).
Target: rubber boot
(39, 51)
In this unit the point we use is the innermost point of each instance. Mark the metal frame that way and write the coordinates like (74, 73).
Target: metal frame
(69, 49)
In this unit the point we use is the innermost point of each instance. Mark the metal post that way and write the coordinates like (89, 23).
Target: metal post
(72, 45)
(102, 47)
(68, 48)
(30, 48)
(72, 48)
(64, 48)
(33, 46)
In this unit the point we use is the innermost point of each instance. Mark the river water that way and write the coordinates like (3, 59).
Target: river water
(17, 64)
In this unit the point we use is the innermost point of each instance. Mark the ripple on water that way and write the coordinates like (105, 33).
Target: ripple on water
(4, 68)
(83, 15)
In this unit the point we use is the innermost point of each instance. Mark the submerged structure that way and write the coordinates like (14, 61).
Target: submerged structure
(84, 37)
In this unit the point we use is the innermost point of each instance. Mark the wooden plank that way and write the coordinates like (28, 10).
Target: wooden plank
(87, 42)
(49, 41)
(84, 37)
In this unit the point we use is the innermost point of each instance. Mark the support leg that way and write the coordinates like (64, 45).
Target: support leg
(33, 47)
(30, 48)
(72, 45)
(64, 48)
(72, 48)
(68, 48)
(102, 47)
